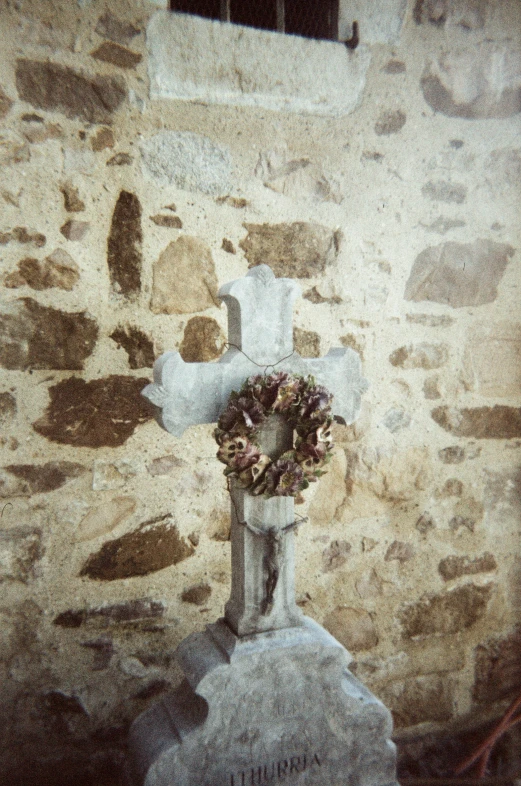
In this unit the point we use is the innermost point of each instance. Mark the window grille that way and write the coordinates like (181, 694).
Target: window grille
(308, 18)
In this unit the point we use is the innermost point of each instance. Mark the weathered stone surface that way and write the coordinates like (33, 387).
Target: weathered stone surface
(499, 422)
(497, 669)
(462, 521)
(390, 122)
(503, 168)
(188, 161)
(425, 523)
(110, 52)
(38, 133)
(102, 139)
(126, 611)
(103, 412)
(109, 26)
(71, 199)
(449, 612)
(335, 555)
(124, 246)
(38, 478)
(394, 67)
(5, 103)
(501, 341)
(459, 274)
(203, 340)
(443, 191)
(109, 475)
(14, 149)
(306, 342)
(453, 567)
(298, 250)
(369, 585)
(8, 407)
(431, 388)
(22, 235)
(426, 356)
(104, 518)
(452, 488)
(454, 454)
(398, 550)
(184, 278)
(57, 270)
(396, 419)
(103, 650)
(465, 83)
(502, 495)
(331, 492)
(353, 628)
(172, 222)
(56, 87)
(120, 159)
(198, 594)
(138, 346)
(74, 230)
(20, 550)
(165, 464)
(35, 336)
(296, 178)
(155, 545)
(429, 697)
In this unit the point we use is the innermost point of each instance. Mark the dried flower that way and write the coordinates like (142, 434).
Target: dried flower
(314, 403)
(285, 478)
(241, 413)
(254, 473)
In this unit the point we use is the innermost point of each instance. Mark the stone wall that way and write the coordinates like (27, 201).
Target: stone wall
(123, 211)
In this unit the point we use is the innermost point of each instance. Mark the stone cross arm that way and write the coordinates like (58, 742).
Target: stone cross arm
(260, 334)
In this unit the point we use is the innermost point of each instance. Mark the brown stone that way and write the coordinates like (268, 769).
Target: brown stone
(20, 550)
(171, 222)
(298, 250)
(138, 346)
(499, 422)
(238, 202)
(369, 585)
(59, 88)
(306, 343)
(398, 550)
(124, 247)
(126, 611)
(453, 567)
(502, 342)
(36, 134)
(103, 412)
(464, 83)
(503, 493)
(74, 230)
(102, 139)
(184, 278)
(459, 274)
(198, 594)
(5, 103)
(14, 149)
(390, 122)
(71, 199)
(120, 159)
(110, 52)
(314, 296)
(353, 628)
(228, 246)
(103, 650)
(335, 555)
(40, 478)
(454, 454)
(394, 67)
(104, 518)
(353, 342)
(462, 521)
(58, 270)
(164, 465)
(443, 191)
(497, 668)
(429, 697)
(155, 545)
(425, 523)
(109, 26)
(202, 340)
(22, 235)
(425, 356)
(7, 407)
(35, 336)
(449, 612)
(431, 389)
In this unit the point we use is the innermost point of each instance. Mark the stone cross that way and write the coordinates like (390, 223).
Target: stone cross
(260, 337)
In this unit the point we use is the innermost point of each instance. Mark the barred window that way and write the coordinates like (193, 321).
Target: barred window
(308, 18)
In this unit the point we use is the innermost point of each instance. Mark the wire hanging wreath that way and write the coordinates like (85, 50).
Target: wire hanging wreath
(306, 407)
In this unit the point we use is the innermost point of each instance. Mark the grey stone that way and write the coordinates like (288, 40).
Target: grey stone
(109, 26)
(264, 707)
(442, 191)
(20, 550)
(396, 419)
(188, 161)
(459, 274)
(390, 122)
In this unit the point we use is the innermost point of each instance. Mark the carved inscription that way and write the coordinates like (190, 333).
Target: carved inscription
(275, 770)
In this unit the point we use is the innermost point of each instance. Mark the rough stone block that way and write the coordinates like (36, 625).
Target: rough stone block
(354, 628)
(454, 566)
(449, 612)
(124, 253)
(20, 550)
(202, 341)
(502, 342)
(184, 278)
(499, 422)
(497, 669)
(428, 697)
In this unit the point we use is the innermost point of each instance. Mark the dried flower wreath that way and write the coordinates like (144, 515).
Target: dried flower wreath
(305, 405)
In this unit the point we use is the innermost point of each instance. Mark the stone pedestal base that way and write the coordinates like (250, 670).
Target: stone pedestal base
(273, 707)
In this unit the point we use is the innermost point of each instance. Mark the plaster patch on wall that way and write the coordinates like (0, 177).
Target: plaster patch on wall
(195, 59)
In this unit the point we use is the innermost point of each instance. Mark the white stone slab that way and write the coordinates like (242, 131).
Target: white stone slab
(196, 59)
(275, 707)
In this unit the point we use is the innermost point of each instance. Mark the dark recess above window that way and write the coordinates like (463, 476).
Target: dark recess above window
(308, 18)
